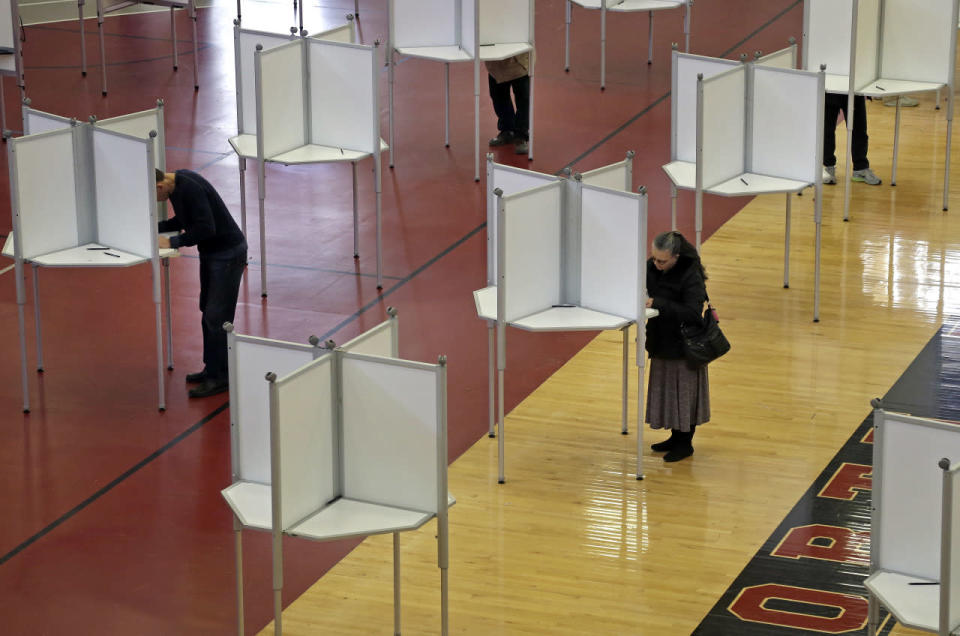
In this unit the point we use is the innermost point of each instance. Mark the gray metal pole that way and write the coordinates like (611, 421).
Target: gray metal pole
(566, 39)
(83, 40)
(166, 285)
(356, 214)
(650, 41)
(946, 168)
(103, 55)
(196, 59)
(786, 245)
(446, 104)
(35, 269)
(173, 38)
(238, 558)
(491, 381)
(625, 331)
(603, 45)
(896, 144)
(396, 583)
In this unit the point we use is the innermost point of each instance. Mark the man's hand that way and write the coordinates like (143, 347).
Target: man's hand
(163, 242)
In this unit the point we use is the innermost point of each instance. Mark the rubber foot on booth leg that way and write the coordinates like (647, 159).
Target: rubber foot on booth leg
(566, 70)
(785, 286)
(846, 220)
(446, 145)
(640, 477)
(196, 88)
(169, 367)
(649, 62)
(104, 93)
(175, 67)
(83, 73)
(162, 409)
(263, 294)
(491, 435)
(476, 179)
(893, 184)
(355, 255)
(39, 369)
(26, 410)
(816, 320)
(501, 481)
(603, 88)
(624, 432)
(944, 209)
(379, 288)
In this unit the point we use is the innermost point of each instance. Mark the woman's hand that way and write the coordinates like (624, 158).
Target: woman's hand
(649, 302)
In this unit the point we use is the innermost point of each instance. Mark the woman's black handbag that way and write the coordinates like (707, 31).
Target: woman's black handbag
(703, 342)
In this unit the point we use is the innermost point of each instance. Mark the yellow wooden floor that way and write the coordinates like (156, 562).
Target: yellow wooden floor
(573, 544)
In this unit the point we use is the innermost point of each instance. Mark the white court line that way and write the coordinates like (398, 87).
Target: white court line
(6, 269)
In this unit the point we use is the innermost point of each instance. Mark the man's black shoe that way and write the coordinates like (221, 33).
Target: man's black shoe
(199, 376)
(210, 387)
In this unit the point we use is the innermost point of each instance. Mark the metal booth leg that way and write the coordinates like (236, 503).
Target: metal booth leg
(626, 356)
(786, 246)
(396, 583)
(36, 315)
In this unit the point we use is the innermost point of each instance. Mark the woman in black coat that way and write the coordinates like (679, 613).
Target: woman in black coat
(678, 394)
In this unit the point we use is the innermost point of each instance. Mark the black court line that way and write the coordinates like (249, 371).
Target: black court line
(130, 471)
(663, 97)
(307, 268)
(346, 321)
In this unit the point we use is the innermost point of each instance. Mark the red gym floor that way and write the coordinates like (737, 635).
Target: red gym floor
(114, 523)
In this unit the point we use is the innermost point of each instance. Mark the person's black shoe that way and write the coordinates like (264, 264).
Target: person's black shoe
(199, 376)
(505, 137)
(678, 453)
(665, 445)
(210, 387)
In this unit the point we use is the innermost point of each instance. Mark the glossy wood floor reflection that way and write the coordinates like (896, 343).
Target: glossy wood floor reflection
(572, 544)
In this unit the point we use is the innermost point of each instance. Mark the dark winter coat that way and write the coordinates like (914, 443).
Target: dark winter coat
(678, 294)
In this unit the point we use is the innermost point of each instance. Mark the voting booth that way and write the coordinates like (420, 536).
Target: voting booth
(883, 48)
(450, 31)
(624, 6)
(568, 255)
(82, 196)
(744, 130)
(334, 442)
(104, 8)
(915, 522)
(304, 100)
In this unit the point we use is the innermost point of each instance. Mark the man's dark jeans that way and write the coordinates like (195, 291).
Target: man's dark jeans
(220, 275)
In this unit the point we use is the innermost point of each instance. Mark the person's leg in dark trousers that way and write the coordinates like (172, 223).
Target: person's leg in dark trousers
(502, 105)
(860, 139)
(521, 93)
(219, 288)
(833, 103)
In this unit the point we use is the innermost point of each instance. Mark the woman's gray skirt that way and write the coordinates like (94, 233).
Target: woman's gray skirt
(678, 396)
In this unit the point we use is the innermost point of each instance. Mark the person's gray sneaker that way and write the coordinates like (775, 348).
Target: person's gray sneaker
(905, 101)
(521, 146)
(505, 137)
(830, 175)
(865, 176)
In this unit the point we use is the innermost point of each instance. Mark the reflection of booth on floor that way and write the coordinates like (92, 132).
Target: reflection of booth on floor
(336, 443)
(914, 536)
(448, 31)
(564, 255)
(744, 130)
(883, 48)
(11, 53)
(624, 6)
(82, 196)
(303, 101)
(103, 8)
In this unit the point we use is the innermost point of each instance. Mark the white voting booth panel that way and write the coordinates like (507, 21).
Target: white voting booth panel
(530, 223)
(722, 127)
(915, 544)
(316, 101)
(570, 256)
(616, 176)
(82, 197)
(460, 31)
(508, 180)
(785, 150)
(784, 58)
(683, 103)
(624, 6)
(382, 340)
(35, 121)
(245, 44)
(250, 360)
(342, 444)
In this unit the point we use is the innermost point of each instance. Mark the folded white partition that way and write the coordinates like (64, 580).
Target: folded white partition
(784, 58)
(104, 8)
(757, 129)
(315, 101)
(884, 48)
(624, 6)
(382, 340)
(36, 121)
(460, 31)
(616, 176)
(336, 443)
(81, 197)
(915, 543)
(570, 256)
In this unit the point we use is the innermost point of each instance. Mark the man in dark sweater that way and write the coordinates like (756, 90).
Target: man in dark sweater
(202, 219)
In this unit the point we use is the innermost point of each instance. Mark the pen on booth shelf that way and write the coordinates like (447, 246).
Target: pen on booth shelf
(923, 583)
(98, 248)
(744, 181)
(341, 151)
(112, 254)
(881, 88)
(564, 305)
